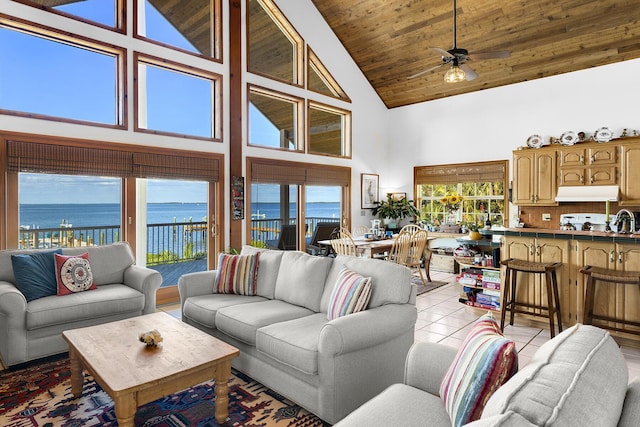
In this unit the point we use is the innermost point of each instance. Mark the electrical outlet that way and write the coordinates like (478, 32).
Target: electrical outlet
(363, 213)
(546, 217)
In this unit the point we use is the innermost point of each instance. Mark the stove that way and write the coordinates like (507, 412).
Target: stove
(596, 220)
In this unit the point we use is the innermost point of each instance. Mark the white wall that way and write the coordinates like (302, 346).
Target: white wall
(490, 124)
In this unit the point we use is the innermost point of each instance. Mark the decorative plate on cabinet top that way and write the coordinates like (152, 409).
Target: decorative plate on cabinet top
(535, 141)
(569, 138)
(604, 134)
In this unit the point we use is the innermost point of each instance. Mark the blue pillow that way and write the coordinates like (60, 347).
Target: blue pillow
(35, 274)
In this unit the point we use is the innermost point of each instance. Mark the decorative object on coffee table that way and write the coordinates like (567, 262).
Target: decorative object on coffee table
(151, 338)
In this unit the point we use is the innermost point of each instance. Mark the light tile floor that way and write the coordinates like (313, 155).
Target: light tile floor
(441, 318)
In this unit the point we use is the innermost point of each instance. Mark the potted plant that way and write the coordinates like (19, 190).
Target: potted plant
(474, 230)
(394, 210)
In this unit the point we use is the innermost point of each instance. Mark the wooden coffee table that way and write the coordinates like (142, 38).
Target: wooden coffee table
(133, 374)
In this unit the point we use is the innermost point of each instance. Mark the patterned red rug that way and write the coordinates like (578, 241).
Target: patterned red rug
(40, 395)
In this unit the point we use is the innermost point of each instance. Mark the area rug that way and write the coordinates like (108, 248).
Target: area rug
(429, 287)
(40, 395)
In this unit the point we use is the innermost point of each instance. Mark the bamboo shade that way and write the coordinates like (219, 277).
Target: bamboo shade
(328, 176)
(68, 160)
(453, 174)
(284, 173)
(147, 165)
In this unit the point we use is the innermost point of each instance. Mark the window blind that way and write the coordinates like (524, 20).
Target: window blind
(465, 172)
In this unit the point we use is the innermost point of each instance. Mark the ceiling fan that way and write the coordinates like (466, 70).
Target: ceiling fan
(458, 57)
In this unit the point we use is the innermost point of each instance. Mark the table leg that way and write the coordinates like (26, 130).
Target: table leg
(223, 373)
(125, 407)
(77, 377)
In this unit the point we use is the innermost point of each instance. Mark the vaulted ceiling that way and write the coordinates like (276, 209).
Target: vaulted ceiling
(390, 40)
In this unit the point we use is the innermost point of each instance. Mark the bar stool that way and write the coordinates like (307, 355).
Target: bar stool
(548, 269)
(608, 277)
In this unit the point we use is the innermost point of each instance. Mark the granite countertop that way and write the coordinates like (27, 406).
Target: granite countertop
(570, 235)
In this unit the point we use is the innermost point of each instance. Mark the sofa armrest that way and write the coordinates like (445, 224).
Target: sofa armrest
(366, 328)
(146, 281)
(426, 365)
(13, 324)
(631, 409)
(196, 284)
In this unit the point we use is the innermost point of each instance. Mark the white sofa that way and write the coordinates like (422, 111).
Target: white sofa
(579, 378)
(329, 367)
(31, 330)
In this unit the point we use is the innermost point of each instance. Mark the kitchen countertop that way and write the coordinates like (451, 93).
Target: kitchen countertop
(601, 236)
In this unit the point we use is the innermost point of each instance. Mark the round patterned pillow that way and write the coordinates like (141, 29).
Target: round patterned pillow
(74, 274)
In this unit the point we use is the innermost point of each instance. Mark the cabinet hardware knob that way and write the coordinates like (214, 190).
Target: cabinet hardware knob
(620, 257)
(612, 256)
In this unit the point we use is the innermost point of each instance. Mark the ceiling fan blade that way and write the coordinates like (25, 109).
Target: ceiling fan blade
(471, 75)
(478, 56)
(442, 52)
(424, 72)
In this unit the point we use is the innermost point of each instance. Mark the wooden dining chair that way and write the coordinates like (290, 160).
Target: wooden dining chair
(359, 231)
(411, 228)
(400, 249)
(344, 245)
(425, 258)
(416, 252)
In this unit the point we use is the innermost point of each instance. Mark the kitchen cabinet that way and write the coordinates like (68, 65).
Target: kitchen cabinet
(534, 180)
(596, 165)
(630, 174)
(531, 288)
(614, 300)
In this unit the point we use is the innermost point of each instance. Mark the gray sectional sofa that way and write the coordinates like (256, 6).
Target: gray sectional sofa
(31, 330)
(579, 378)
(329, 367)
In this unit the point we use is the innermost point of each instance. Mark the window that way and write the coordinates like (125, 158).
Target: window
(192, 27)
(275, 119)
(275, 48)
(103, 12)
(329, 130)
(46, 80)
(320, 80)
(177, 100)
(478, 187)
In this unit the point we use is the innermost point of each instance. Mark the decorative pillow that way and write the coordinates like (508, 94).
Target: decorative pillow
(35, 274)
(350, 294)
(485, 361)
(74, 274)
(237, 274)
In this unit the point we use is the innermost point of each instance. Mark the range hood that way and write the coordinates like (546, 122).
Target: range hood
(593, 193)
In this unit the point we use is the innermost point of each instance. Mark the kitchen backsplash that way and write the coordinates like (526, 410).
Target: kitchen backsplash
(532, 215)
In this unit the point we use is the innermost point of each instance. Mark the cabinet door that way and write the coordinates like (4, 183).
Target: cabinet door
(523, 183)
(522, 248)
(628, 296)
(557, 250)
(572, 157)
(597, 254)
(545, 178)
(603, 155)
(572, 176)
(630, 175)
(602, 175)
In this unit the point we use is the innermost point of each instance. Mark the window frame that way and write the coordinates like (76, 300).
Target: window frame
(346, 130)
(81, 42)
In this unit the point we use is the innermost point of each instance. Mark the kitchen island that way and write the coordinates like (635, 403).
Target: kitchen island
(575, 250)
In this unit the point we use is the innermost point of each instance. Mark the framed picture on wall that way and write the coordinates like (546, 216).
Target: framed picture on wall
(369, 186)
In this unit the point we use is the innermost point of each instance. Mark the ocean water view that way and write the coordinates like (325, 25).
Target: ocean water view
(101, 214)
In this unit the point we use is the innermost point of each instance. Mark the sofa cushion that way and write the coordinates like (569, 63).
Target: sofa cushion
(35, 274)
(203, 308)
(351, 294)
(399, 405)
(243, 320)
(301, 279)
(294, 342)
(268, 270)
(237, 274)
(580, 373)
(390, 282)
(108, 262)
(108, 300)
(73, 273)
(484, 362)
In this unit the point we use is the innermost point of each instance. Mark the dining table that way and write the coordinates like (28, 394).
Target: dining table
(369, 248)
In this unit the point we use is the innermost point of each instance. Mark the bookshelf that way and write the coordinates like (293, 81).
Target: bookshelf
(479, 277)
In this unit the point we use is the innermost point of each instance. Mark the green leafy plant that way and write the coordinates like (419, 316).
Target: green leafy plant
(395, 209)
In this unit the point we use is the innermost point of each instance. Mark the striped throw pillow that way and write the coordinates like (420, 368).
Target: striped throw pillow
(350, 294)
(237, 274)
(484, 362)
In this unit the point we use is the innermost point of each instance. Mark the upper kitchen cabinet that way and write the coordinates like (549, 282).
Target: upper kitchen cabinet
(630, 174)
(594, 165)
(534, 177)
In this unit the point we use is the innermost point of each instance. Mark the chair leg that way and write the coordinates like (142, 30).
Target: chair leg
(505, 298)
(427, 263)
(421, 276)
(556, 295)
(588, 302)
(550, 304)
(513, 296)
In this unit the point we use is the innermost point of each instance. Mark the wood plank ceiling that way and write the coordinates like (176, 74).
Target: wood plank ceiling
(389, 40)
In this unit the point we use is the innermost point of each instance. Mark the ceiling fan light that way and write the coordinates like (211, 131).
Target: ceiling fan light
(455, 75)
